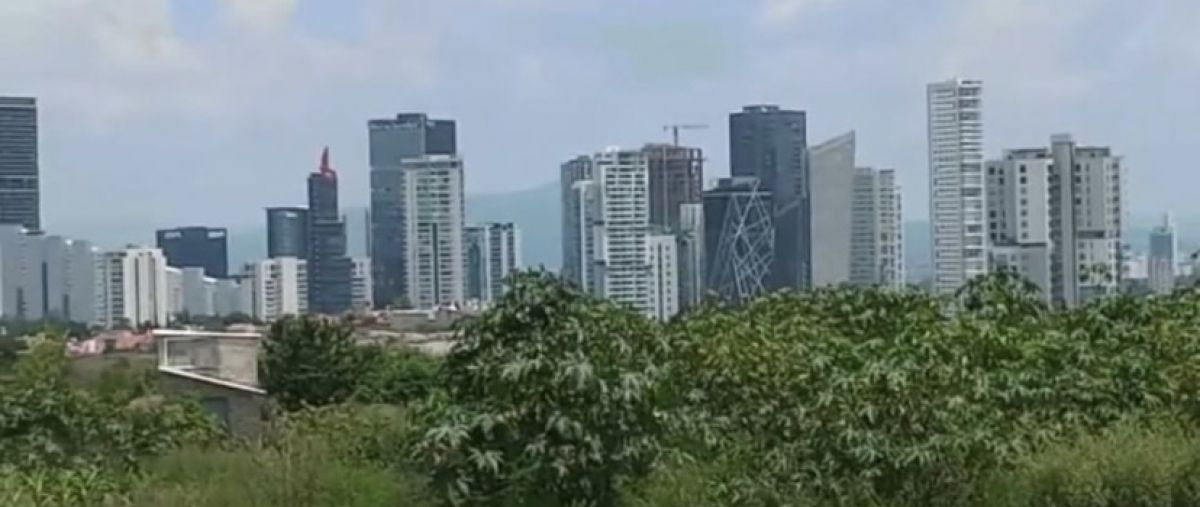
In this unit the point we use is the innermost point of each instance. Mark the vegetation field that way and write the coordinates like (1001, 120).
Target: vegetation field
(836, 397)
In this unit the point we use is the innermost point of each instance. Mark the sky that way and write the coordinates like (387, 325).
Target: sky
(172, 112)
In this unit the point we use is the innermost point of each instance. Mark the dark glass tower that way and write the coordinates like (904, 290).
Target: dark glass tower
(770, 144)
(287, 232)
(196, 247)
(329, 270)
(739, 239)
(20, 200)
(392, 140)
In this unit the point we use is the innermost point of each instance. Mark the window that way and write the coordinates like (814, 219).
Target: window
(1022, 169)
(1023, 180)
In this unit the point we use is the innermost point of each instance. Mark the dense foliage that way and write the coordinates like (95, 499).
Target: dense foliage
(554, 397)
(836, 397)
(309, 361)
(314, 362)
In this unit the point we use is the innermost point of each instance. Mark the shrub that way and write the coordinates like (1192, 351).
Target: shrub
(396, 375)
(1125, 467)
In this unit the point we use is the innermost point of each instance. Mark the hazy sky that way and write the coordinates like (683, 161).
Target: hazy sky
(159, 112)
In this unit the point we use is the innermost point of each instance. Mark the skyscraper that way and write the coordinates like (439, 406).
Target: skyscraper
(876, 233)
(493, 252)
(196, 247)
(433, 208)
(691, 255)
(575, 180)
(831, 167)
(329, 269)
(770, 144)
(20, 201)
(739, 239)
(956, 183)
(1163, 253)
(676, 178)
(392, 141)
(287, 232)
(1055, 217)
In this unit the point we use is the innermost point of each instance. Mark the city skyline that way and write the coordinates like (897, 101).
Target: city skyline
(225, 126)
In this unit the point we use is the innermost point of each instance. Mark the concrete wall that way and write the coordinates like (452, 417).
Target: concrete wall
(242, 412)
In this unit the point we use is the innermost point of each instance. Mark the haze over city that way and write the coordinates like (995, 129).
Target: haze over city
(159, 112)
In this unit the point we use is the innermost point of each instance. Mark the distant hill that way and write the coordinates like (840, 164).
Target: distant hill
(536, 211)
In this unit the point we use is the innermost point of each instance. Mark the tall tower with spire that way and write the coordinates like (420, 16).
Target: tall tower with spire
(330, 270)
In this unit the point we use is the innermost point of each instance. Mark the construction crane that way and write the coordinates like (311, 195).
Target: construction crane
(674, 129)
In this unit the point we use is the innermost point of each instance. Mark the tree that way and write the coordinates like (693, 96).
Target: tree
(309, 361)
(554, 397)
(396, 375)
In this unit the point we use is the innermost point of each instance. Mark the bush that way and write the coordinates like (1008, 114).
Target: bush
(1125, 467)
(378, 435)
(46, 424)
(396, 375)
(914, 399)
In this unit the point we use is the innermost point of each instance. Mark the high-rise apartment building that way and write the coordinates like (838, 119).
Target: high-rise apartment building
(329, 285)
(287, 232)
(493, 253)
(20, 201)
(392, 141)
(691, 255)
(174, 292)
(361, 286)
(620, 218)
(71, 282)
(433, 208)
(196, 247)
(230, 297)
(21, 258)
(276, 288)
(133, 290)
(676, 178)
(662, 255)
(831, 167)
(46, 276)
(575, 180)
(876, 233)
(770, 144)
(197, 292)
(1054, 217)
(739, 239)
(956, 183)
(1164, 251)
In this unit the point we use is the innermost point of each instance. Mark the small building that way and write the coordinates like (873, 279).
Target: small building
(220, 371)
